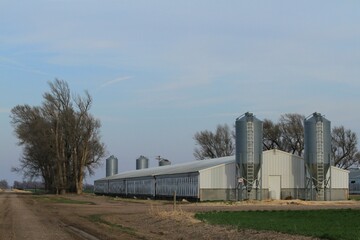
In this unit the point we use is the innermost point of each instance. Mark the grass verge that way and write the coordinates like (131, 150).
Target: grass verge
(354, 197)
(325, 224)
(63, 200)
(97, 218)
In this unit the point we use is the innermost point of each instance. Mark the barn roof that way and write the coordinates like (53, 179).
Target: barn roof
(194, 166)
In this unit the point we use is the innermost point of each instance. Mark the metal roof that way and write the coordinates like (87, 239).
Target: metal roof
(193, 166)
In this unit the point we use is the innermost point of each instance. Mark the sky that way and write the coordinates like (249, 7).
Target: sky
(159, 71)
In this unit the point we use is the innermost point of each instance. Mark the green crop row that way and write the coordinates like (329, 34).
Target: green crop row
(325, 224)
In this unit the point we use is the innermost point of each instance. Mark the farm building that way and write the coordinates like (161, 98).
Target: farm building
(250, 174)
(282, 176)
(354, 181)
(190, 180)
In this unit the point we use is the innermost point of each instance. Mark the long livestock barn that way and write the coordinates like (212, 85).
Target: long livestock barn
(282, 176)
(189, 180)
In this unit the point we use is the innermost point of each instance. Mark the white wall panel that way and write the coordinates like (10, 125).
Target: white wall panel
(339, 178)
(289, 167)
(218, 177)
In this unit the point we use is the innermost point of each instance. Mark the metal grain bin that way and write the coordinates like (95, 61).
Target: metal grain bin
(142, 163)
(164, 162)
(111, 166)
(249, 137)
(317, 141)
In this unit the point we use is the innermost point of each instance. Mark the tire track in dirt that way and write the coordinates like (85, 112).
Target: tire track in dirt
(18, 221)
(6, 226)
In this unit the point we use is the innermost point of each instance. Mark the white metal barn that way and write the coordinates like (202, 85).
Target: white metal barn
(200, 180)
(282, 176)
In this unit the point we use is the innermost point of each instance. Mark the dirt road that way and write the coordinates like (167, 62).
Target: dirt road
(19, 221)
(24, 216)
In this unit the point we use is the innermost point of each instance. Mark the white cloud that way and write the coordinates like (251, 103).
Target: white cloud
(119, 79)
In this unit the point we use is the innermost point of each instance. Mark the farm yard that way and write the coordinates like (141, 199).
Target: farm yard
(26, 216)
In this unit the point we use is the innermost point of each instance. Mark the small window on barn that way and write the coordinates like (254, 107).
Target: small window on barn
(352, 181)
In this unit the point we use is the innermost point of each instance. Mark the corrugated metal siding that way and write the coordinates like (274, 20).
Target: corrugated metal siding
(117, 186)
(185, 185)
(288, 166)
(221, 176)
(140, 186)
(339, 178)
(101, 187)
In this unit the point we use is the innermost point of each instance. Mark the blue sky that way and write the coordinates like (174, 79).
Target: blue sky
(159, 71)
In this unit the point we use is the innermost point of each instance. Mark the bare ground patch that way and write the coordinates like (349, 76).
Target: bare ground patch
(116, 218)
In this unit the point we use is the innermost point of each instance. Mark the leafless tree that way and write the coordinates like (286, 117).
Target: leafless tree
(60, 139)
(4, 184)
(272, 135)
(214, 145)
(286, 135)
(292, 129)
(344, 148)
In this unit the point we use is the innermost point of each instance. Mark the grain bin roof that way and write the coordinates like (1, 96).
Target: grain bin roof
(193, 166)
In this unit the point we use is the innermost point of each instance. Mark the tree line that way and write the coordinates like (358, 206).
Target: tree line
(4, 184)
(60, 139)
(286, 135)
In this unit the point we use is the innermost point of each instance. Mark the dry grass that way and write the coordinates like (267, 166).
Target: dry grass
(278, 203)
(176, 214)
(20, 191)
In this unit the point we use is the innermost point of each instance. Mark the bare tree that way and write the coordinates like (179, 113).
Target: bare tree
(292, 128)
(272, 135)
(344, 147)
(214, 145)
(34, 134)
(286, 135)
(4, 184)
(60, 139)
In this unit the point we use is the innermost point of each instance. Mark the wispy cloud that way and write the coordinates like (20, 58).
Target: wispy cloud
(119, 79)
(12, 64)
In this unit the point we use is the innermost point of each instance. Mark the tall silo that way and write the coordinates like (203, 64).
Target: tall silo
(317, 141)
(249, 138)
(111, 166)
(142, 163)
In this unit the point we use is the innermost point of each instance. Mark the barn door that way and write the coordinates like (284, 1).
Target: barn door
(275, 187)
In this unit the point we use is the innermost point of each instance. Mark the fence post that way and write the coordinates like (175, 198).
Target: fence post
(174, 207)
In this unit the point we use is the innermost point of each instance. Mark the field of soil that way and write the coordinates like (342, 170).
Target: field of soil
(26, 216)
